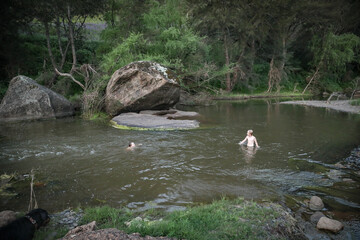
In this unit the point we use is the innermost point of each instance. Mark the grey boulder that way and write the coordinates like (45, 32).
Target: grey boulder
(141, 86)
(27, 100)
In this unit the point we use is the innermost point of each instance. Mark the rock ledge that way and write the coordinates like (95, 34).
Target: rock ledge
(156, 120)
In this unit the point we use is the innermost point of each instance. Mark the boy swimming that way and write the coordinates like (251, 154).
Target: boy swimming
(131, 146)
(250, 139)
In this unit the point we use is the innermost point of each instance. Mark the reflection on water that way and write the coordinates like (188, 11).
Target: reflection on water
(85, 163)
(248, 153)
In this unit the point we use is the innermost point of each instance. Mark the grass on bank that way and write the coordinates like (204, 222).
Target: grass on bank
(355, 102)
(262, 95)
(223, 219)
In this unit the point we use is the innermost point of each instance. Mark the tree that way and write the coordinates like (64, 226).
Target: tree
(72, 15)
(331, 56)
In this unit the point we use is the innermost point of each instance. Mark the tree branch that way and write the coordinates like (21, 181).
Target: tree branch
(70, 76)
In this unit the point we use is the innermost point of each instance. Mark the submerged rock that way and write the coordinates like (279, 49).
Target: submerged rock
(316, 203)
(149, 121)
(141, 86)
(329, 224)
(316, 217)
(26, 100)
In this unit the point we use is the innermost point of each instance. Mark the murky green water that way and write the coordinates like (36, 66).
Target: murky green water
(84, 163)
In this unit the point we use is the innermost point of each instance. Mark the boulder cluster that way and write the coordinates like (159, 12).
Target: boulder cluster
(322, 222)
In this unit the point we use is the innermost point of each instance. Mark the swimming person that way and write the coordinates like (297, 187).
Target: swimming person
(131, 146)
(250, 139)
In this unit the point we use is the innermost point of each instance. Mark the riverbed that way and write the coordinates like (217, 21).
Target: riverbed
(84, 163)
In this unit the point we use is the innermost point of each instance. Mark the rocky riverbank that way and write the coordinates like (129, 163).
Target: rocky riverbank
(341, 105)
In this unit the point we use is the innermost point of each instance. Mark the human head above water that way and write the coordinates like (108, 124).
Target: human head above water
(250, 132)
(132, 144)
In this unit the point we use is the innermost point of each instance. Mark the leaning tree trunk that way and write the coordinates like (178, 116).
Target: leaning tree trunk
(314, 76)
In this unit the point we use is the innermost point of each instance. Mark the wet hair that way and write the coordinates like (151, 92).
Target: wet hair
(250, 131)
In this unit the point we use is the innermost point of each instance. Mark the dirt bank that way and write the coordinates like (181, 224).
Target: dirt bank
(341, 105)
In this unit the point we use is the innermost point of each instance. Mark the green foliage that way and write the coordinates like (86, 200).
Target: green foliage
(335, 51)
(166, 39)
(131, 49)
(332, 55)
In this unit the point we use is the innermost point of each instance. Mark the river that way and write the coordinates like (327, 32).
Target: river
(84, 163)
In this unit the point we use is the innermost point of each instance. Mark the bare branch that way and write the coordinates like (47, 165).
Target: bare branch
(70, 76)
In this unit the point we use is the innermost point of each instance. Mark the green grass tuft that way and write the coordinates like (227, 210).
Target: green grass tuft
(223, 219)
(355, 102)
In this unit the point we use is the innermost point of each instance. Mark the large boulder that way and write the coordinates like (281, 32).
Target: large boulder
(26, 100)
(140, 86)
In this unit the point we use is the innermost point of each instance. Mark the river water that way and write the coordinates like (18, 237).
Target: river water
(82, 163)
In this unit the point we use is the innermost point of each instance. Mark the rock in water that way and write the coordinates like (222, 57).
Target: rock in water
(149, 121)
(316, 217)
(316, 203)
(26, 100)
(141, 86)
(329, 224)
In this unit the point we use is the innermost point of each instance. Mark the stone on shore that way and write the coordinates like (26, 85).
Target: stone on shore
(141, 86)
(7, 217)
(27, 100)
(150, 121)
(316, 203)
(339, 105)
(329, 224)
(81, 229)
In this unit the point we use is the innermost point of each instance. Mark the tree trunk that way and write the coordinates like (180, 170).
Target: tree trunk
(62, 53)
(112, 13)
(282, 65)
(72, 42)
(270, 77)
(69, 75)
(47, 34)
(227, 63)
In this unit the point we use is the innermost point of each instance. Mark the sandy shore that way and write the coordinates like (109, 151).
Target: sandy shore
(342, 105)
